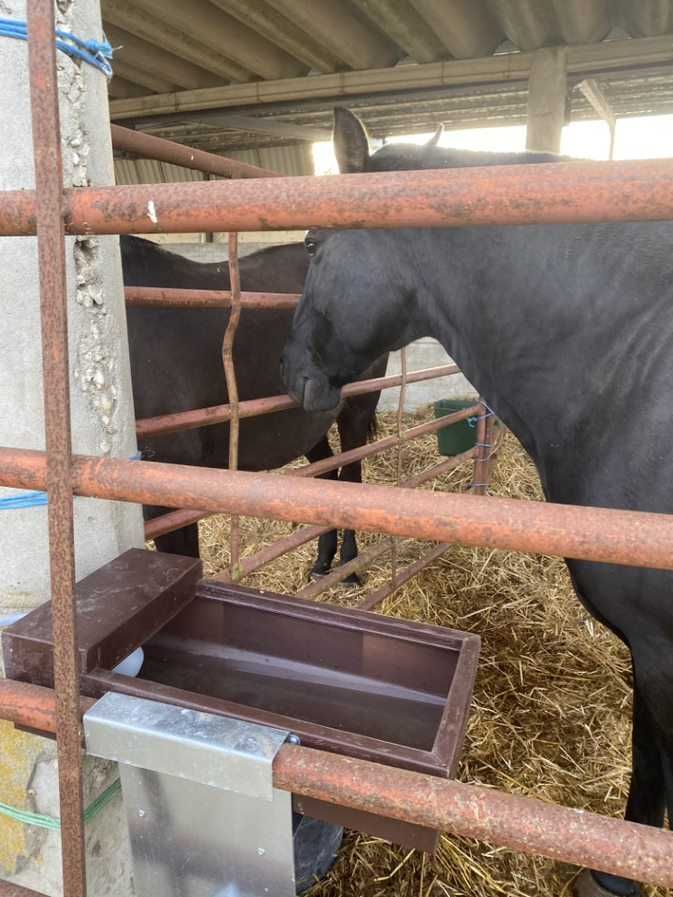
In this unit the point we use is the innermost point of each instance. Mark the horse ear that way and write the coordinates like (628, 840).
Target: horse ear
(351, 144)
(436, 137)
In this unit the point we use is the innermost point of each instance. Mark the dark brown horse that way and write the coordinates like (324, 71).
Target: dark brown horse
(176, 364)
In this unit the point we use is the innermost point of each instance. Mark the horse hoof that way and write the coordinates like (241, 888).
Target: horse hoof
(315, 575)
(352, 580)
(586, 885)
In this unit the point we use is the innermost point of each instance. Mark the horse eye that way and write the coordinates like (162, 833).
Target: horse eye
(311, 246)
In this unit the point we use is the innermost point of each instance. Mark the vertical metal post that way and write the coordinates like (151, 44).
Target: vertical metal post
(398, 478)
(232, 389)
(483, 450)
(53, 310)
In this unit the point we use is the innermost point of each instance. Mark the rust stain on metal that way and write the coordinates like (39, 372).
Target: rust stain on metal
(159, 297)
(33, 707)
(169, 522)
(217, 414)
(277, 549)
(232, 390)
(150, 147)
(632, 538)
(367, 557)
(380, 445)
(369, 602)
(533, 194)
(524, 824)
(58, 480)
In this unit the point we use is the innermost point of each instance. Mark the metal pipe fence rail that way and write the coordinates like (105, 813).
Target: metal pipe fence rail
(556, 193)
(632, 538)
(161, 297)
(149, 146)
(217, 414)
(523, 824)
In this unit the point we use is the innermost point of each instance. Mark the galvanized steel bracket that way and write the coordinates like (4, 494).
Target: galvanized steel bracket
(204, 818)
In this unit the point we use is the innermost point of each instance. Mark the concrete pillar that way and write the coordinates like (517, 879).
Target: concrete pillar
(103, 424)
(547, 93)
(102, 406)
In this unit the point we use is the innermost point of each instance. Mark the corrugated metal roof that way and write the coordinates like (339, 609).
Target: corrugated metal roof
(168, 46)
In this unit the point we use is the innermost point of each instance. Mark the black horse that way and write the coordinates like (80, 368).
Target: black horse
(566, 331)
(176, 365)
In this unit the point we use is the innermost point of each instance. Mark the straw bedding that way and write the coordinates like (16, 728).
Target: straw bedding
(551, 709)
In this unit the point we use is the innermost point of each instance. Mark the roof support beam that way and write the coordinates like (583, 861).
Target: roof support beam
(153, 83)
(267, 126)
(221, 33)
(162, 64)
(547, 100)
(594, 94)
(465, 27)
(120, 89)
(403, 25)
(127, 15)
(268, 22)
(505, 68)
(338, 30)
(226, 120)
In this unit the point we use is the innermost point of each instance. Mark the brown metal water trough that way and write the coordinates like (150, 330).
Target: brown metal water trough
(342, 680)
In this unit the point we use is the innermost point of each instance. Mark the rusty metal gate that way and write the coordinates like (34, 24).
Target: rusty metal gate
(559, 193)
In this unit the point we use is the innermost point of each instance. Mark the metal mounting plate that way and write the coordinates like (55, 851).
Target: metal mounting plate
(204, 818)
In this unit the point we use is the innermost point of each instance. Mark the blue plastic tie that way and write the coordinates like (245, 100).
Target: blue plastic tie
(37, 499)
(93, 52)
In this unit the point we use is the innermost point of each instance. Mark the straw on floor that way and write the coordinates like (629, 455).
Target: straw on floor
(551, 709)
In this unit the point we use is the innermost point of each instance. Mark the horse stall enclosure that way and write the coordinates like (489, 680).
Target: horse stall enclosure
(225, 695)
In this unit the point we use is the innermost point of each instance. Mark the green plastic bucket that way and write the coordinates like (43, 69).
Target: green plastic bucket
(458, 437)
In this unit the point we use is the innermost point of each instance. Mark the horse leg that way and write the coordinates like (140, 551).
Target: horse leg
(327, 543)
(647, 794)
(354, 423)
(183, 541)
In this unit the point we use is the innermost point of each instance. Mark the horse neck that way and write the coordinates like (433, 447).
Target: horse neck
(488, 297)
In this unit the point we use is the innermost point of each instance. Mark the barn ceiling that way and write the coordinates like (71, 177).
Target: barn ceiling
(252, 74)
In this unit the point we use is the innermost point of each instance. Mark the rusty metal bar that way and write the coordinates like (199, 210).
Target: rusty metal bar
(232, 390)
(633, 538)
(438, 470)
(269, 553)
(369, 602)
(150, 147)
(524, 824)
(338, 574)
(398, 452)
(32, 706)
(169, 522)
(564, 192)
(380, 445)
(160, 297)
(173, 520)
(367, 557)
(56, 390)
(482, 455)
(217, 414)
